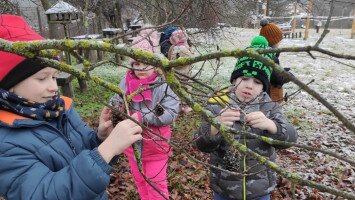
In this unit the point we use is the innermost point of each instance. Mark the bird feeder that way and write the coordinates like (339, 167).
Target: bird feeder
(62, 13)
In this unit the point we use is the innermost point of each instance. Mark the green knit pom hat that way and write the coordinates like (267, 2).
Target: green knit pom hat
(250, 67)
(259, 40)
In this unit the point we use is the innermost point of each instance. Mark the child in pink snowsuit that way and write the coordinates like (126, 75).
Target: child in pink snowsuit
(157, 107)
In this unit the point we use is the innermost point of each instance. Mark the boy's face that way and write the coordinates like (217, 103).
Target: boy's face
(40, 87)
(247, 88)
(142, 70)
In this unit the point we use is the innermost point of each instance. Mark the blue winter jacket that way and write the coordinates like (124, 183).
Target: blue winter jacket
(44, 160)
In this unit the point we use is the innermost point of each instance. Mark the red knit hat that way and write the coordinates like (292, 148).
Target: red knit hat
(271, 32)
(15, 68)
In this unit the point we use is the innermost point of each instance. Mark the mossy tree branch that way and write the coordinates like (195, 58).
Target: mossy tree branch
(34, 50)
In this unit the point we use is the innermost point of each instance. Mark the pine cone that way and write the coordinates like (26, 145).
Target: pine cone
(159, 110)
(117, 116)
(231, 160)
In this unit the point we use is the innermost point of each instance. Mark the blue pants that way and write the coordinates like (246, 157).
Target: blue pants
(219, 197)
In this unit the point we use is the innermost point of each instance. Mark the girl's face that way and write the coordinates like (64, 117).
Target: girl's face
(142, 70)
(178, 36)
(247, 88)
(40, 87)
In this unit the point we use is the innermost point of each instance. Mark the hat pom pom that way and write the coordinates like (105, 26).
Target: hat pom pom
(264, 22)
(151, 33)
(259, 40)
(147, 39)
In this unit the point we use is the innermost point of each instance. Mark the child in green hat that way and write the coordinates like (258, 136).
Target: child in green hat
(245, 107)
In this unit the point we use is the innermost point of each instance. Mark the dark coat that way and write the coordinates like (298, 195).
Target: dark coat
(259, 180)
(276, 78)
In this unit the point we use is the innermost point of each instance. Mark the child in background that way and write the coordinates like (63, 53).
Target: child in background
(46, 150)
(180, 48)
(157, 107)
(164, 40)
(274, 35)
(247, 105)
(174, 42)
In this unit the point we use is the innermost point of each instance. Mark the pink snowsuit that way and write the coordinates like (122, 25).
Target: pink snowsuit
(155, 151)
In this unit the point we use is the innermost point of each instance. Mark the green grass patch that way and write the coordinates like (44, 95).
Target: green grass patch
(90, 103)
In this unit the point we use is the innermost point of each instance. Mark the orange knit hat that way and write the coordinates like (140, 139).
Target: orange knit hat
(271, 32)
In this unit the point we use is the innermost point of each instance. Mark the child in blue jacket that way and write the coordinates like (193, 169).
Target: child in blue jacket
(46, 150)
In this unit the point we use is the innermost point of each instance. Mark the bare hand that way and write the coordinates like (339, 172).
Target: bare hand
(228, 116)
(260, 121)
(122, 136)
(105, 124)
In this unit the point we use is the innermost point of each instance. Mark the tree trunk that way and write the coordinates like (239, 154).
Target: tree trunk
(119, 24)
(118, 20)
(118, 15)
(98, 21)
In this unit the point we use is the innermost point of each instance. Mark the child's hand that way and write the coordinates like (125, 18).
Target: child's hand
(260, 121)
(105, 124)
(228, 116)
(122, 136)
(126, 133)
